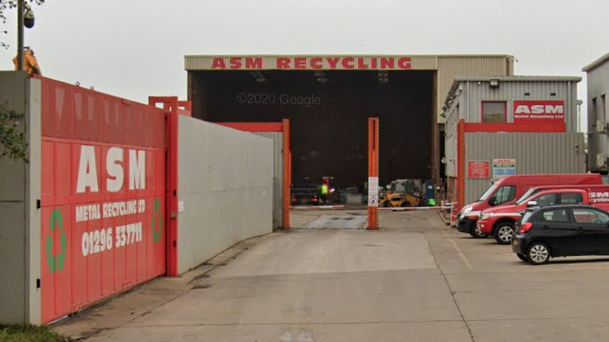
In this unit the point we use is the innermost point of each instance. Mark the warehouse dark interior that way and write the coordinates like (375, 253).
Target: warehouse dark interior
(329, 112)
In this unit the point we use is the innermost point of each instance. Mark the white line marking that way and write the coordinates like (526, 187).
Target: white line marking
(463, 257)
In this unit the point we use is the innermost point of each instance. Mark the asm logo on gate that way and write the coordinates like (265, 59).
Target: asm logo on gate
(103, 196)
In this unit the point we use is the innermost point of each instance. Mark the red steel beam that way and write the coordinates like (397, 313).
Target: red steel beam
(373, 173)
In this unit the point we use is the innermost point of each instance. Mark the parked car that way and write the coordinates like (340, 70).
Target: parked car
(508, 189)
(561, 231)
(499, 222)
(305, 192)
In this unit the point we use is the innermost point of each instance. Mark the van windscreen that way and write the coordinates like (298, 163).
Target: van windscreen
(488, 193)
(529, 193)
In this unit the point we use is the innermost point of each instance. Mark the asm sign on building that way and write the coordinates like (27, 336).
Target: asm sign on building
(311, 63)
(103, 197)
(539, 111)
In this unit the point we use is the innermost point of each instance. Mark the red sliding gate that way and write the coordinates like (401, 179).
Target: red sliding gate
(104, 175)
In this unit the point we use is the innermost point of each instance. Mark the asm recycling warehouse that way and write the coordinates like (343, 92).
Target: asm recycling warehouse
(329, 99)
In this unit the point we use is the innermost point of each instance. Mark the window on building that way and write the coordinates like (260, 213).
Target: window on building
(603, 110)
(593, 115)
(494, 111)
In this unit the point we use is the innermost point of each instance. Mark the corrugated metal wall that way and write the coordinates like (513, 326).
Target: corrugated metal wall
(450, 140)
(451, 67)
(598, 142)
(473, 94)
(534, 153)
(277, 177)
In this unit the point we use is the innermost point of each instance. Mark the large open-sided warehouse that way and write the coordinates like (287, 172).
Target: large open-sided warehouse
(328, 100)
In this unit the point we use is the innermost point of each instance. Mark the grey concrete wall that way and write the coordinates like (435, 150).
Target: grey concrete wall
(19, 220)
(277, 176)
(225, 183)
(32, 196)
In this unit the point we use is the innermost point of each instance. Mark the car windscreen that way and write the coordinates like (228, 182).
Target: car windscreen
(526, 195)
(488, 193)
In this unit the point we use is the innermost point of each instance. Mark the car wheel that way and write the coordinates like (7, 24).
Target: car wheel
(405, 204)
(538, 253)
(476, 233)
(504, 233)
(522, 257)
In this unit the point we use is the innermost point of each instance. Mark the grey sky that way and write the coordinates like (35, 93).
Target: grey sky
(135, 48)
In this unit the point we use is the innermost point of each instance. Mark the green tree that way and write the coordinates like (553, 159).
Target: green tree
(12, 137)
(13, 144)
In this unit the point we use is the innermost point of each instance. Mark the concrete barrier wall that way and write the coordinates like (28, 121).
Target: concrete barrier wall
(19, 216)
(277, 176)
(225, 189)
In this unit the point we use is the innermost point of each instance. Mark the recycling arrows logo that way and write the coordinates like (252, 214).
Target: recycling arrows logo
(56, 262)
(157, 222)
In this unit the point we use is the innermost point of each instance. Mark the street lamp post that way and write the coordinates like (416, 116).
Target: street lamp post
(20, 10)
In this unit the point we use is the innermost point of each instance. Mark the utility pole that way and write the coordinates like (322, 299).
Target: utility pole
(20, 9)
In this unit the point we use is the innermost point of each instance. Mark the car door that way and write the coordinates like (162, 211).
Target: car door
(593, 233)
(557, 229)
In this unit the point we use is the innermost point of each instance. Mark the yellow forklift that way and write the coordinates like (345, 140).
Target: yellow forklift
(402, 193)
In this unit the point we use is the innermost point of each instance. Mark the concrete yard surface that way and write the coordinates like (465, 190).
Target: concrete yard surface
(414, 280)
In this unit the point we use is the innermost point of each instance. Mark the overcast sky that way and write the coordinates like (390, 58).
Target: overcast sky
(135, 48)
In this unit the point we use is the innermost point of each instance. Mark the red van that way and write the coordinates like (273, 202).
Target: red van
(508, 189)
(499, 222)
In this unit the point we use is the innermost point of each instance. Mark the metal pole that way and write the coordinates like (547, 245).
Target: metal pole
(20, 7)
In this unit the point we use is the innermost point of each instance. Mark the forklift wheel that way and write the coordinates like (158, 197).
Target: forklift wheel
(405, 204)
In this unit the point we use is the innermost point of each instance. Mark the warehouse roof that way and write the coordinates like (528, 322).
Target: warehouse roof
(521, 79)
(596, 63)
(510, 79)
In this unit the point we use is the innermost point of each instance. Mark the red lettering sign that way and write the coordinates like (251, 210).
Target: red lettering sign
(283, 63)
(218, 63)
(387, 63)
(235, 63)
(478, 169)
(300, 62)
(348, 63)
(361, 64)
(311, 63)
(404, 63)
(333, 61)
(316, 63)
(253, 63)
(539, 111)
